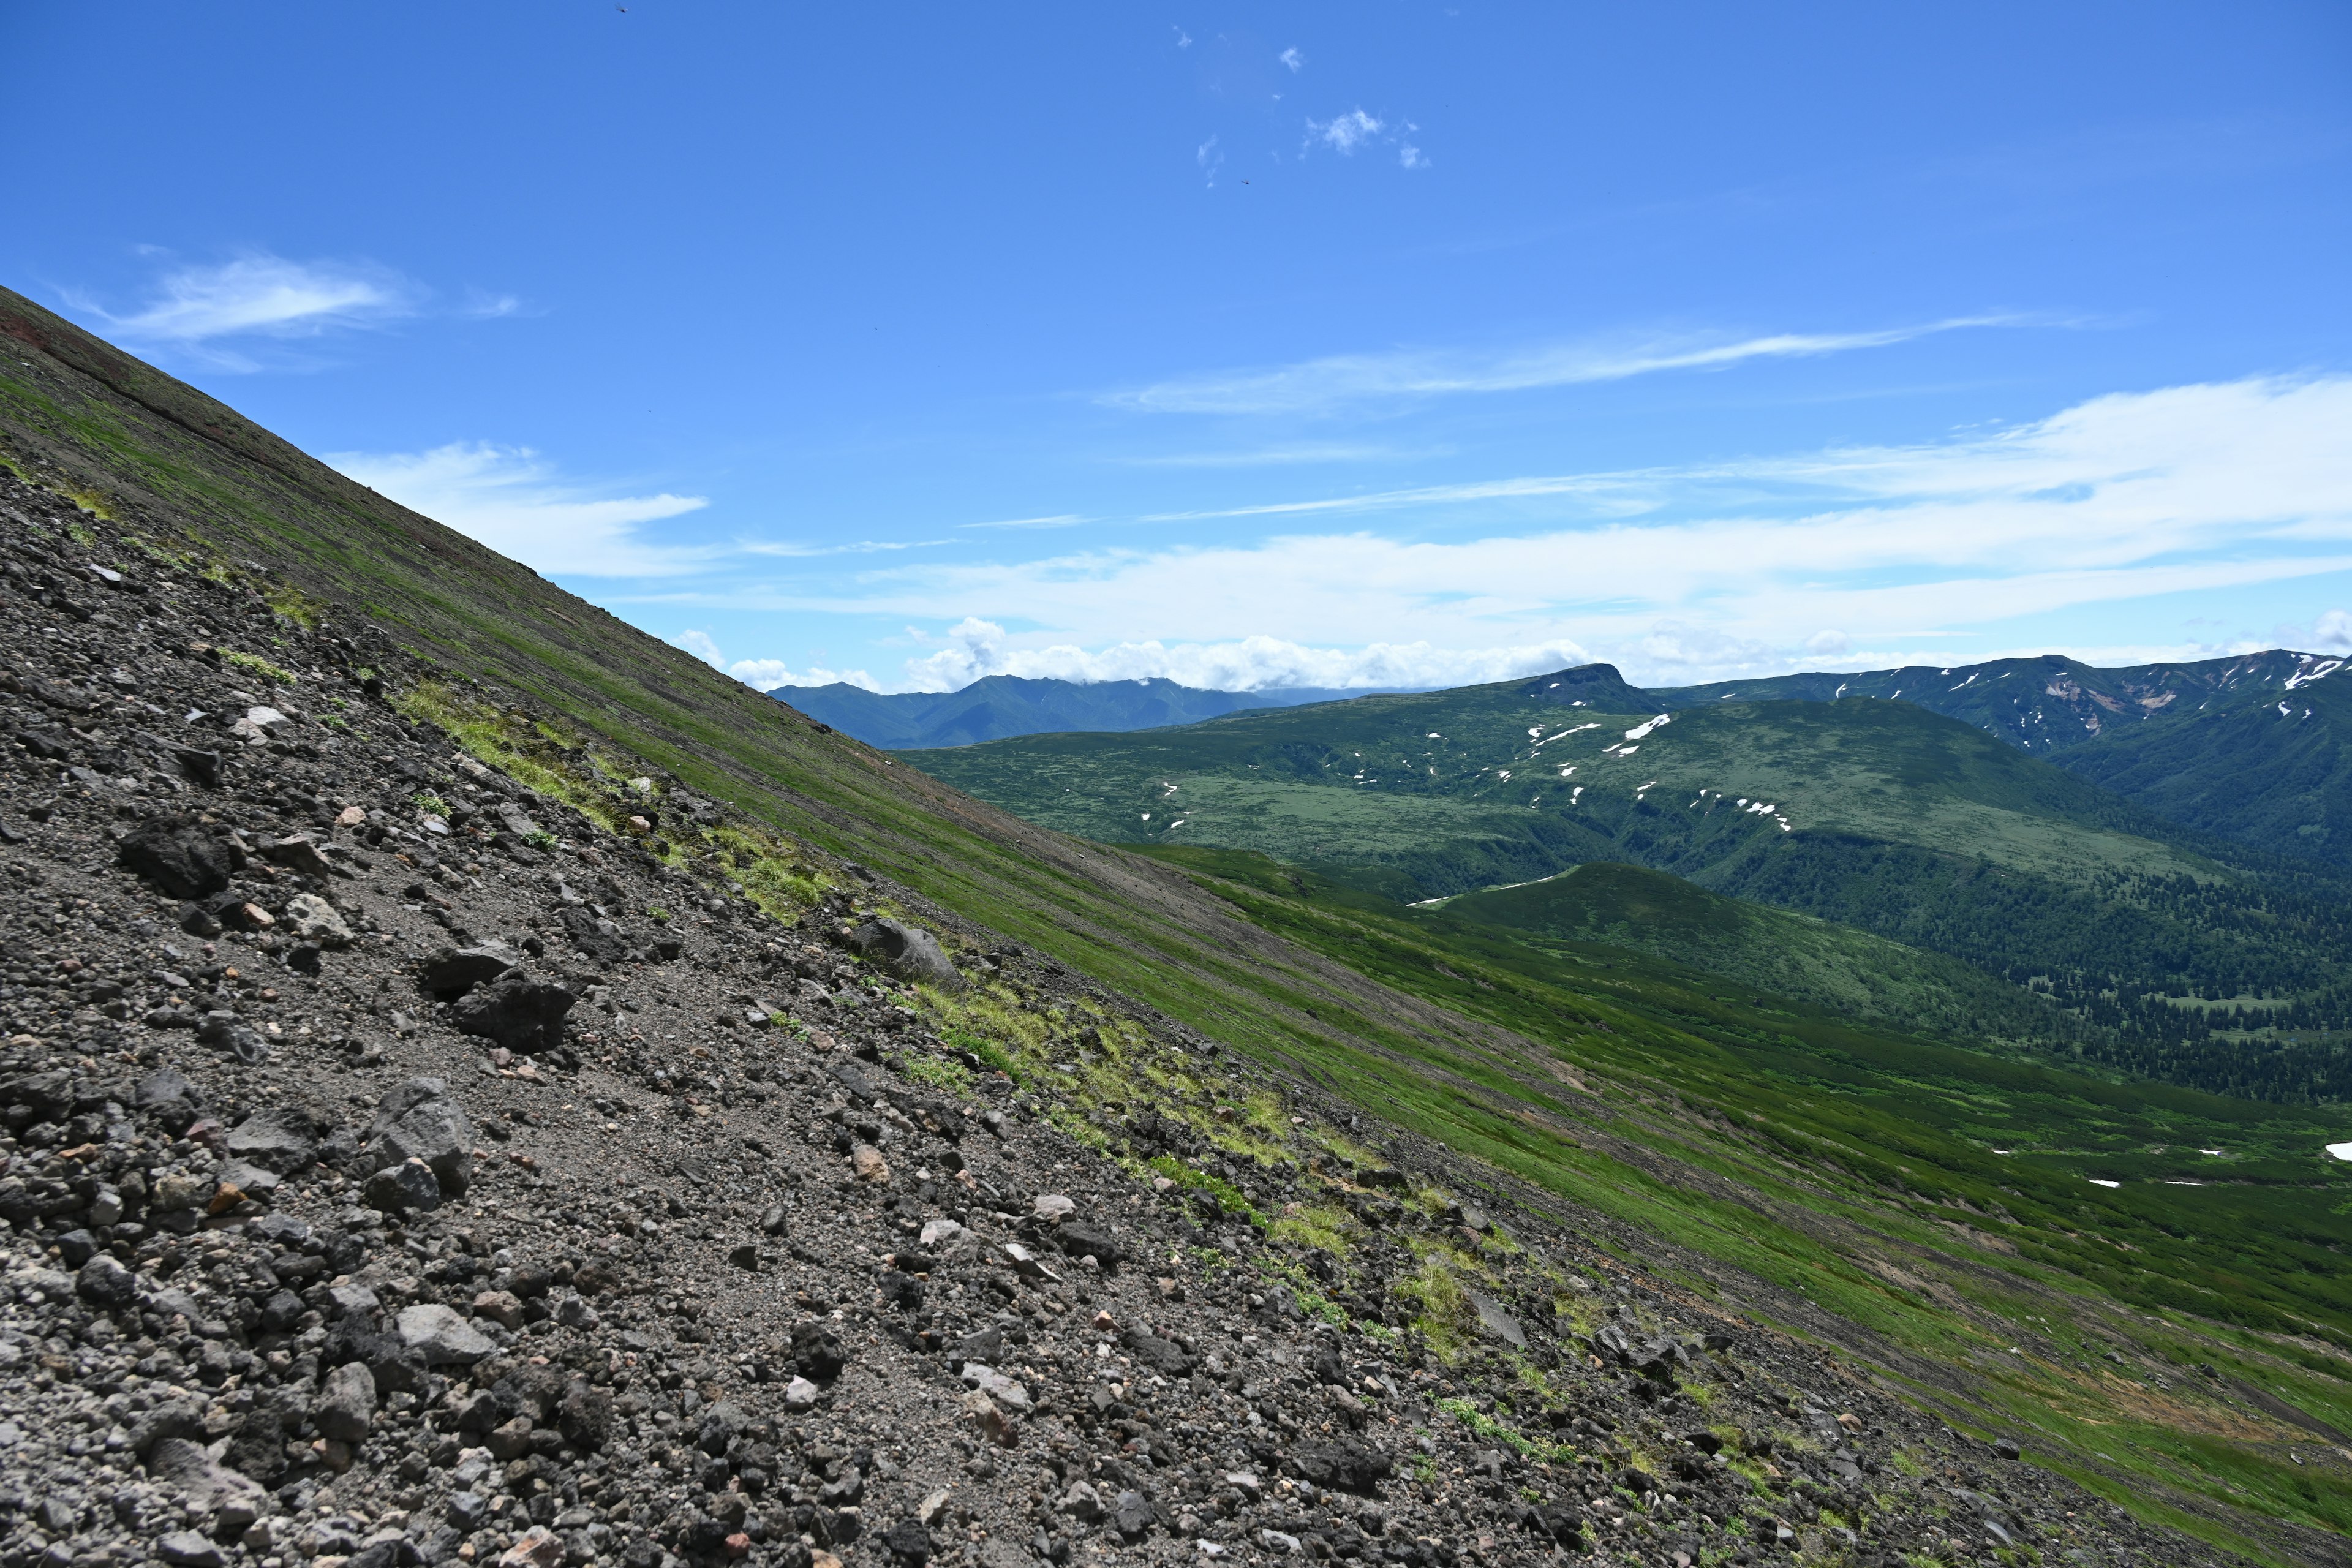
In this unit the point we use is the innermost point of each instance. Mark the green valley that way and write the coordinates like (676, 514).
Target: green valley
(2167, 950)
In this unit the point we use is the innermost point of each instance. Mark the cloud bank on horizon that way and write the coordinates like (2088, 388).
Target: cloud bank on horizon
(1844, 558)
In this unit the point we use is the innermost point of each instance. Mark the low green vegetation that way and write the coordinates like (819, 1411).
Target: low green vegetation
(254, 664)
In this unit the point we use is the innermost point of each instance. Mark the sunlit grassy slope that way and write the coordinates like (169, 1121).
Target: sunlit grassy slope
(1833, 1181)
(1755, 946)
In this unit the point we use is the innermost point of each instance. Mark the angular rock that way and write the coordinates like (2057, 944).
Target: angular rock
(103, 1282)
(189, 1549)
(1132, 1516)
(346, 1404)
(437, 1134)
(225, 1031)
(442, 1337)
(400, 1102)
(1346, 1466)
(1080, 1238)
(299, 852)
(586, 1417)
(199, 1480)
(818, 1352)
(162, 1087)
(538, 1547)
(909, 1541)
(178, 856)
(517, 1012)
(1008, 1392)
(283, 1138)
(313, 919)
(195, 764)
(994, 1423)
(909, 952)
(1497, 1322)
(397, 1189)
(451, 971)
(1163, 1356)
(500, 1307)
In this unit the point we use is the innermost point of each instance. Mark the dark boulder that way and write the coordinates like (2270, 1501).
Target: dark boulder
(1345, 1466)
(438, 1132)
(398, 1189)
(178, 856)
(517, 1012)
(1081, 1239)
(452, 972)
(818, 1352)
(1163, 1356)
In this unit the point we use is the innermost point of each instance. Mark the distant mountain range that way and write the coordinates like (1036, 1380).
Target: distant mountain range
(2159, 851)
(998, 706)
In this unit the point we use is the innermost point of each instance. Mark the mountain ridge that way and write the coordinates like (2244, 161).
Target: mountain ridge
(996, 707)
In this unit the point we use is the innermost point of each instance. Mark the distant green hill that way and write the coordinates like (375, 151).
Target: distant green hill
(996, 706)
(2182, 955)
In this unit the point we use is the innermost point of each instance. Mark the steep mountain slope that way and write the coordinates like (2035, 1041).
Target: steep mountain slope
(1000, 705)
(1877, 815)
(1217, 1027)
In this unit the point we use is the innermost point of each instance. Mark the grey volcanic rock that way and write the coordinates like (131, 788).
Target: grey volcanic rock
(906, 951)
(438, 1132)
(283, 1138)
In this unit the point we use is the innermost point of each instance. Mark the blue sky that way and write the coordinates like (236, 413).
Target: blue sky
(1390, 344)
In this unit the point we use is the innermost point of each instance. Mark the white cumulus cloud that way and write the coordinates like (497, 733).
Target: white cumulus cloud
(1293, 58)
(1343, 134)
(767, 674)
(513, 500)
(977, 648)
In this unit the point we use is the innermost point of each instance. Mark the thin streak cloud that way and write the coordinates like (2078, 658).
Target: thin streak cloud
(1321, 385)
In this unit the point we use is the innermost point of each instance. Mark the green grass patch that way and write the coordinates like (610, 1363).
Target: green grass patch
(254, 664)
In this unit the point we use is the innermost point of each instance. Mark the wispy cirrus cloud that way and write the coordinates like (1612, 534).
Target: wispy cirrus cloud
(855, 547)
(1301, 455)
(205, 310)
(258, 294)
(1057, 519)
(515, 501)
(1339, 380)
